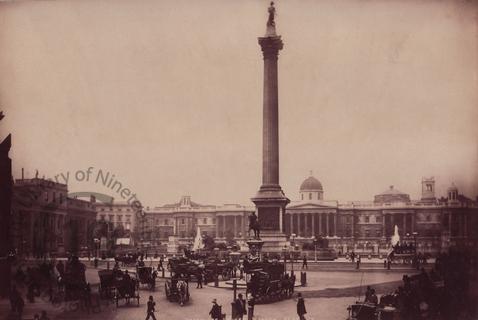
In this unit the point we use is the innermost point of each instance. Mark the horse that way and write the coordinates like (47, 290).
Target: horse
(254, 226)
(181, 287)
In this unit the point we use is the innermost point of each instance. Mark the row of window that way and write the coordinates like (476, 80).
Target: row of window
(182, 221)
(115, 209)
(119, 217)
(378, 219)
(54, 197)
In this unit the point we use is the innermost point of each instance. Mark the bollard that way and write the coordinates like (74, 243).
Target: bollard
(95, 262)
(107, 265)
(234, 288)
(216, 281)
(303, 279)
(233, 310)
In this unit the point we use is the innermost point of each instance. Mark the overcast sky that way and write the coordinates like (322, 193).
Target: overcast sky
(167, 95)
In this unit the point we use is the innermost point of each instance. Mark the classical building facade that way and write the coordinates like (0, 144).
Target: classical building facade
(46, 221)
(117, 213)
(363, 226)
(432, 223)
(184, 218)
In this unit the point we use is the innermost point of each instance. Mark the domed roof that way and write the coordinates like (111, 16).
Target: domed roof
(452, 187)
(391, 191)
(392, 195)
(310, 184)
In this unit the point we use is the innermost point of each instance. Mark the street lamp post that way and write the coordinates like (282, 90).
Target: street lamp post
(292, 253)
(415, 234)
(284, 250)
(96, 241)
(315, 249)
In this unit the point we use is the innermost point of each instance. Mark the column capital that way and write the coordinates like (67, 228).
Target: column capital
(270, 46)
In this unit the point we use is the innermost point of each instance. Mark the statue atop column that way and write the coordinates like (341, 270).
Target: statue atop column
(271, 24)
(272, 12)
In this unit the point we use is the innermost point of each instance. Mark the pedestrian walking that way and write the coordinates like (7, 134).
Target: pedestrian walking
(154, 275)
(301, 307)
(304, 262)
(14, 294)
(250, 307)
(358, 263)
(150, 308)
(199, 279)
(20, 304)
(160, 264)
(60, 267)
(215, 311)
(241, 308)
(87, 297)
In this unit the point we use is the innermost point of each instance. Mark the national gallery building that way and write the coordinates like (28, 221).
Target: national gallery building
(433, 223)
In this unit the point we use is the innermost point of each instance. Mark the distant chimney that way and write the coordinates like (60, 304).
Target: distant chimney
(23, 172)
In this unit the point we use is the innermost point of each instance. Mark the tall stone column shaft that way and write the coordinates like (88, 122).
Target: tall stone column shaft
(270, 132)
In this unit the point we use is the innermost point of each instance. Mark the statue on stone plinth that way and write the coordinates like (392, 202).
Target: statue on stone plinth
(272, 11)
(254, 225)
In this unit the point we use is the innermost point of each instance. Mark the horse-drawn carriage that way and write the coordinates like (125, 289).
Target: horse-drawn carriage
(177, 289)
(403, 253)
(74, 280)
(183, 267)
(369, 311)
(127, 259)
(107, 284)
(145, 276)
(218, 268)
(267, 281)
(116, 284)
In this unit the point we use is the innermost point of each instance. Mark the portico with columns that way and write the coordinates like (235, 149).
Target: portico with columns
(232, 221)
(311, 220)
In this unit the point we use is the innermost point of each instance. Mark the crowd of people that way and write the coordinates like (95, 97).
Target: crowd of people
(51, 280)
(441, 293)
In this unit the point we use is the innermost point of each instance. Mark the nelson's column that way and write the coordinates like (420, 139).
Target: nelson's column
(270, 200)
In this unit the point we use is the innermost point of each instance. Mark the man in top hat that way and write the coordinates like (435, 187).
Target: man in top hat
(215, 311)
